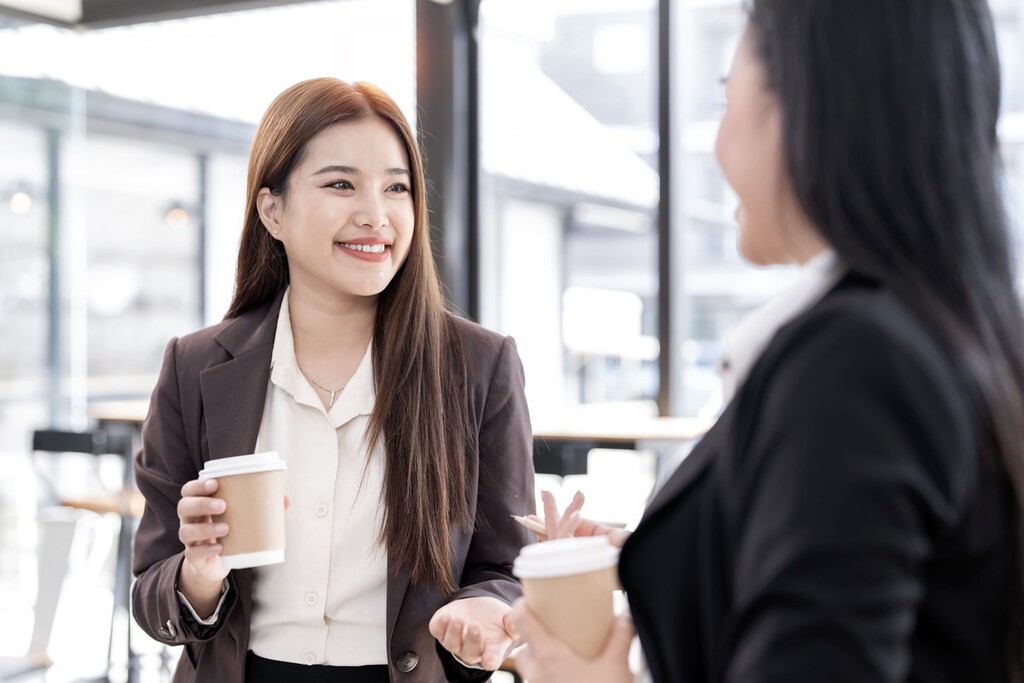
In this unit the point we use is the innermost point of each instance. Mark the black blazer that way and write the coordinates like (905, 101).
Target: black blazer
(838, 523)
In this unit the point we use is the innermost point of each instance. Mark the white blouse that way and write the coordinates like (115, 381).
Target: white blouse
(326, 603)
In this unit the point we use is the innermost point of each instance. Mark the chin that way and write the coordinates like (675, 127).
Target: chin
(753, 255)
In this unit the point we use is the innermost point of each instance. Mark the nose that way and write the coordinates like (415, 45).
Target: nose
(371, 213)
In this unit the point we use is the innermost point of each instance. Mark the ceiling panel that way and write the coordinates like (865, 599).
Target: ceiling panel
(88, 14)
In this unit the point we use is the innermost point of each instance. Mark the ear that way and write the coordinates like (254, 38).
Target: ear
(269, 206)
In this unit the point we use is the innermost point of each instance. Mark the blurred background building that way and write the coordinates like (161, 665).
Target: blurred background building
(578, 206)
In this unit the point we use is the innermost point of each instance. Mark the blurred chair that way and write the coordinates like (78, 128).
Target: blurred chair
(126, 503)
(56, 535)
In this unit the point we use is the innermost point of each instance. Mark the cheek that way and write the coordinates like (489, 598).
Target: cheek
(738, 152)
(747, 152)
(407, 232)
(724, 143)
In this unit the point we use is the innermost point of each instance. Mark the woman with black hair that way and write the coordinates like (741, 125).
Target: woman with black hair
(855, 513)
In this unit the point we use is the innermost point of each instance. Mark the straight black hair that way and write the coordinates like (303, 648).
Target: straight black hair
(890, 110)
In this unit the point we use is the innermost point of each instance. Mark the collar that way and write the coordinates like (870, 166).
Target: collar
(356, 398)
(743, 344)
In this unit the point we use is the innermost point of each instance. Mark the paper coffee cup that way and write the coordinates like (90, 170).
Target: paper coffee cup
(253, 488)
(568, 583)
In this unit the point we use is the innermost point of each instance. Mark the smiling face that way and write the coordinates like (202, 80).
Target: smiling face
(773, 227)
(346, 217)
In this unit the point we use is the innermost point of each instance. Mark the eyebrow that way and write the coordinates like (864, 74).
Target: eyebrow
(352, 170)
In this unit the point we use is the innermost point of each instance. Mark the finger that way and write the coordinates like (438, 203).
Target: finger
(618, 537)
(620, 639)
(509, 625)
(439, 625)
(540, 535)
(526, 665)
(200, 508)
(570, 525)
(524, 622)
(551, 517)
(199, 487)
(494, 653)
(472, 645)
(454, 636)
(194, 534)
(195, 553)
(577, 503)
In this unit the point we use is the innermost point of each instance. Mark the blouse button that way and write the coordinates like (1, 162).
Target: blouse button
(310, 658)
(311, 598)
(321, 510)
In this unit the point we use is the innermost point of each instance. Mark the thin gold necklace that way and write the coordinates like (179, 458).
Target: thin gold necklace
(332, 392)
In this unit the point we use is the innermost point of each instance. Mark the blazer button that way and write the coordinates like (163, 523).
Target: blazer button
(407, 661)
(168, 632)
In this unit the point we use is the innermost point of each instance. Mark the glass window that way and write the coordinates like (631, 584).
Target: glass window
(139, 136)
(720, 286)
(142, 226)
(24, 262)
(151, 153)
(570, 194)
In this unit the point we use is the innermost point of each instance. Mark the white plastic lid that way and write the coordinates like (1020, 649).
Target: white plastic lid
(564, 557)
(242, 464)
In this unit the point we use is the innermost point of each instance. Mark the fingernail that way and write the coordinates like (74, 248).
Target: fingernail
(218, 506)
(209, 484)
(220, 529)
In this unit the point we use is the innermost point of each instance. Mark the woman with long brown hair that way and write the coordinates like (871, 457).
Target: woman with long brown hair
(404, 428)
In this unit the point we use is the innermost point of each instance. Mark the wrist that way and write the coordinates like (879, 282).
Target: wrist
(201, 593)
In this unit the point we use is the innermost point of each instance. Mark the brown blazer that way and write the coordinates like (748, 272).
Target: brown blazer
(208, 403)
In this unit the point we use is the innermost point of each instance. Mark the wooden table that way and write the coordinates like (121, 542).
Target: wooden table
(130, 412)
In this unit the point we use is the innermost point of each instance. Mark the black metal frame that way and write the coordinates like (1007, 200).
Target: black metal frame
(448, 102)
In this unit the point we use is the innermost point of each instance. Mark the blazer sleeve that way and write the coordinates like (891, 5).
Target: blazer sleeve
(855, 459)
(165, 463)
(505, 483)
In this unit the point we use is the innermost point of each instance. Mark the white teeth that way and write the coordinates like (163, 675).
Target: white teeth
(368, 248)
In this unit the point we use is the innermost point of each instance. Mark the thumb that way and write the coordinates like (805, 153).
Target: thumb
(620, 638)
(509, 625)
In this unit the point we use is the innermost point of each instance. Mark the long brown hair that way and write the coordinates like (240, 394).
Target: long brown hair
(421, 414)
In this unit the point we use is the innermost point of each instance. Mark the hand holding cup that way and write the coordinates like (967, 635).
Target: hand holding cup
(202, 572)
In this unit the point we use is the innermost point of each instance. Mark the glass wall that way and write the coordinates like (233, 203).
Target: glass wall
(122, 178)
(1010, 32)
(570, 194)
(25, 265)
(720, 287)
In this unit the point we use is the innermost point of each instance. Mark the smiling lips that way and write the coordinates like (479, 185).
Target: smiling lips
(366, 251)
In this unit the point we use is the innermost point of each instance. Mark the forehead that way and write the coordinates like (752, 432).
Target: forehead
(372, 144)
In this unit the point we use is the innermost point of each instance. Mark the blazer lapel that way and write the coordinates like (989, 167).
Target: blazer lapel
(234, 392)
(398, 584)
